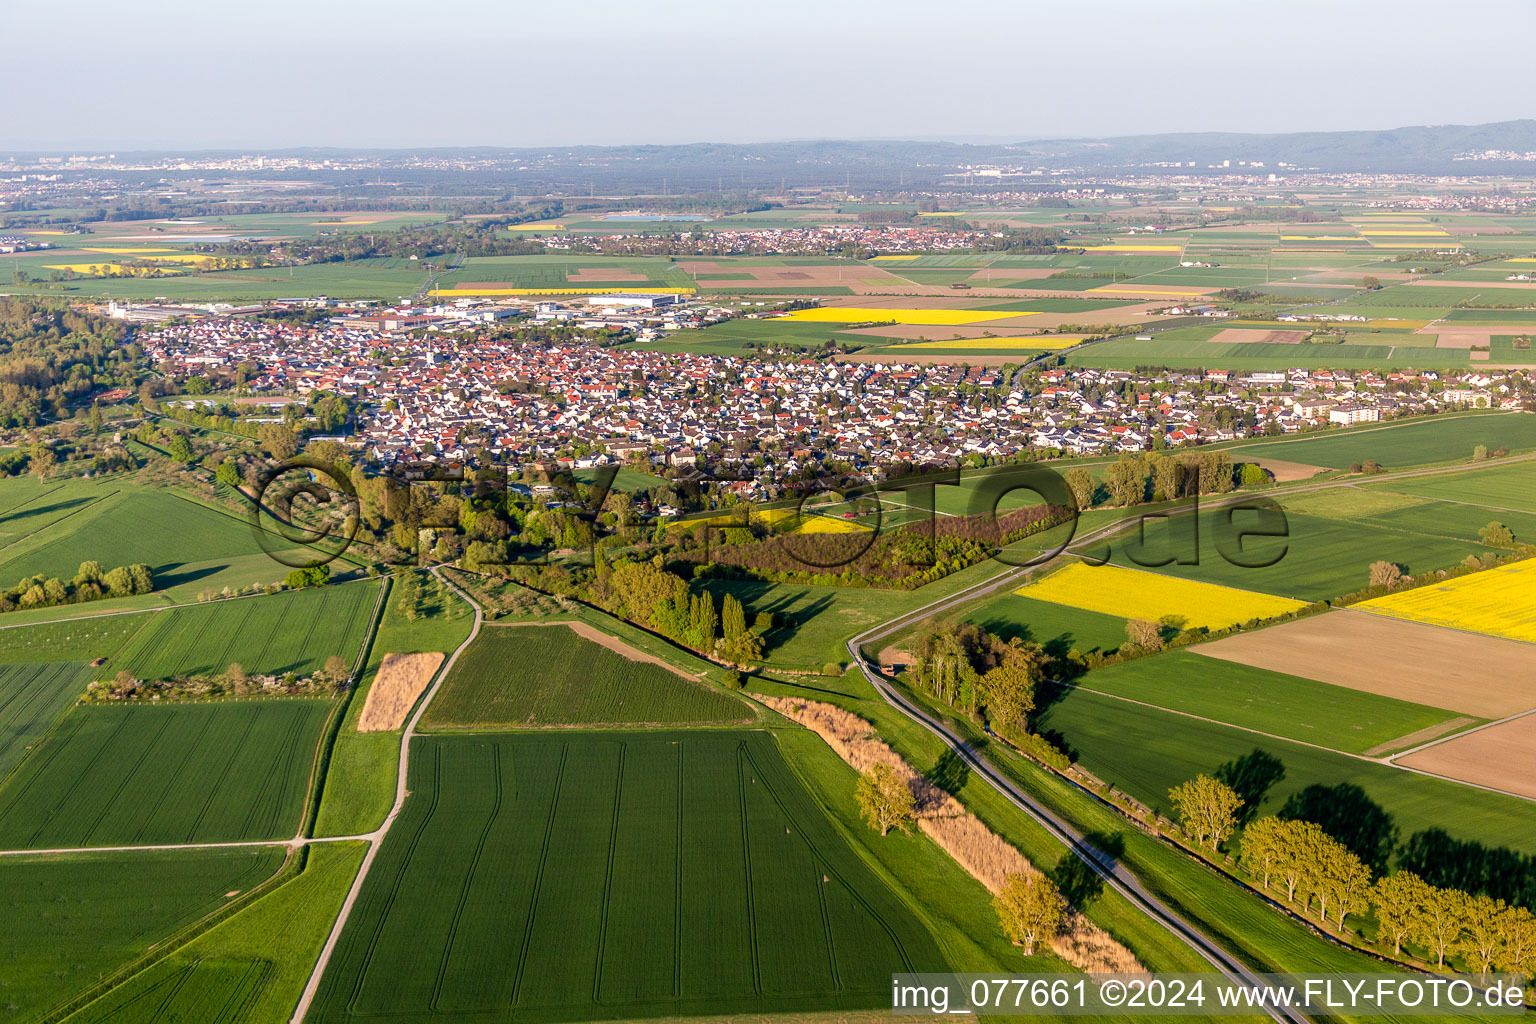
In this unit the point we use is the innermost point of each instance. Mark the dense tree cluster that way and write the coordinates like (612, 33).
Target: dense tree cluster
(90, 583)
(51, 357)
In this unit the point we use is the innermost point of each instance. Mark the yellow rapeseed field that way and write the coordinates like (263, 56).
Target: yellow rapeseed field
(826, 524)
(921, 317)
(1498, 602)
(106, 266)
(1134, 594)
(896, 257)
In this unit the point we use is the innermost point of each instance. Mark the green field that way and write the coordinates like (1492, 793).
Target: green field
(360, 778)
(121, 527)
(69, 920)
(379, 278)
(534, 676)
(1058, 627)
(555, 271)
(295, 631)
(1396, 445)
(1495, 488)
(1317, 560)
(32, 697)
(83, 639)
(248, 969)
(179, 773)
(1257, 698)
(616, 877)
(1146, 751)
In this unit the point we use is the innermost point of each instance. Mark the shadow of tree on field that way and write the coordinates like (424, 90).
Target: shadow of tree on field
(1351, 817)
(1251, 777)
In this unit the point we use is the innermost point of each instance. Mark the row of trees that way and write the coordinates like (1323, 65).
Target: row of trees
(232, 682)
(1157, 476)
(90, 583)
(1301, 859)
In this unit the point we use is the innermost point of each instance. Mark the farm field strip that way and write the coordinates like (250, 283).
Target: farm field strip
(507, 871)
(166, 773)
(294, 631)
(1465, 673)
(536, 676)
(1266, 700)
(32, 698)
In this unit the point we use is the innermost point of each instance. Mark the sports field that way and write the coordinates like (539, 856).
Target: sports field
(1135, 594)
(547, 675)
(69, 920)
(612, 877)
(180, 773)
(294, 631)
(1498, 602)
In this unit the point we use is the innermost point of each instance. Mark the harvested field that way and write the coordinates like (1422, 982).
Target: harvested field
(1460, 339)
(1241, 335)
(1284, 472)
(1499, 757)
(986, 856)
(400, 680)
(1484, 676)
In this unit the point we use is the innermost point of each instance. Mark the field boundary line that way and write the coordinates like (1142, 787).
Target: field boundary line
(321, 765)
(376, 838)
(1458, 735)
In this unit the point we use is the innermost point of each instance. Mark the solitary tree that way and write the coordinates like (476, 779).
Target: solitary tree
(336, 668)
(1497, 535)
(1081, 483)
(235, 674)
(1385, 574)
(1145, 633)
(885, 798)
(1030, 909)
(1207, 808)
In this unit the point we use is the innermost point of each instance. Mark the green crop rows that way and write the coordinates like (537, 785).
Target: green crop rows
(291, 632)
(164, 774)
(544, 877)
(548, 675)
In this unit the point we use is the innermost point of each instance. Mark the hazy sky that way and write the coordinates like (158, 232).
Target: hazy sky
(278, 73)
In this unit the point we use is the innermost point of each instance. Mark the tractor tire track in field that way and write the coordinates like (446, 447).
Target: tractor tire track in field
(375, 838)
